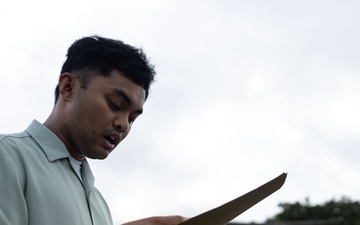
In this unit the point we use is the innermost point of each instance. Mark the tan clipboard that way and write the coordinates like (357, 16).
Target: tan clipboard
(227, 212)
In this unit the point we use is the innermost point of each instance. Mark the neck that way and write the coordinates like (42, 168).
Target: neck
(58, 127)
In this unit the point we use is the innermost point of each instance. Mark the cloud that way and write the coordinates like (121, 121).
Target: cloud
(245, 90)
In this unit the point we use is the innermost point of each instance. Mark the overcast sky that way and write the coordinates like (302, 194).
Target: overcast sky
(245, 90)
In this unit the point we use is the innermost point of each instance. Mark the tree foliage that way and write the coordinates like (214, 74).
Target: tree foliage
(347, 210)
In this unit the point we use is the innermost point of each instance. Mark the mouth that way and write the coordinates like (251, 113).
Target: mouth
(111, 141)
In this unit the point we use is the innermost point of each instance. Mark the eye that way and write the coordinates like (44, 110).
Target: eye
(114, 106)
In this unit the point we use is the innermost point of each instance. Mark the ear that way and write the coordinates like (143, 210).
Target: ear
(66, 86)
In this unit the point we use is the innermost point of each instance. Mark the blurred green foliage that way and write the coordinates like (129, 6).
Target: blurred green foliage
(345, 208)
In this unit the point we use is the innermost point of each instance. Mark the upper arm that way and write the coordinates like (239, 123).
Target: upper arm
(13, 209)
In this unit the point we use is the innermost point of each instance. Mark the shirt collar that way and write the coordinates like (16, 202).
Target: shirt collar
(51, 144)
(55, 149)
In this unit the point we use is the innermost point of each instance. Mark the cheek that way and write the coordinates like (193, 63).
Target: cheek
(100, 114)
(95, 115)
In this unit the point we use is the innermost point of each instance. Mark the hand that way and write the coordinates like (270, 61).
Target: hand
(158, 220)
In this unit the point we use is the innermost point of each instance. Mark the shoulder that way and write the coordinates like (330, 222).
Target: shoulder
(14, 146)
(12, 138)
(18, 135)
(11, 155)
(8, 140)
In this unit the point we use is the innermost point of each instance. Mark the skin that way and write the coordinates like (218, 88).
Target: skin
(158, 220)
(84, 119)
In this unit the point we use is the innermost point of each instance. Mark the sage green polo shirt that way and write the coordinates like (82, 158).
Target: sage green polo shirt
(38, 186)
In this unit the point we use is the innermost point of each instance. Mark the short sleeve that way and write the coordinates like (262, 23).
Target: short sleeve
(13, 209)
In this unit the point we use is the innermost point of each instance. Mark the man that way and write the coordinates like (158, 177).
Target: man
(45, 178)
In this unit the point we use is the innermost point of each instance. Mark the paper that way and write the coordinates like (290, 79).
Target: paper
(227, 212)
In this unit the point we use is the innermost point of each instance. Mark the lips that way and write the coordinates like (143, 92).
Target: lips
(112, 140)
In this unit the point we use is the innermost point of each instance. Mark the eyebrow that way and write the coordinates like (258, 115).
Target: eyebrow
(127, 99)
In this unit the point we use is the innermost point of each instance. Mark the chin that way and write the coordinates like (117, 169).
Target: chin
(99, 156)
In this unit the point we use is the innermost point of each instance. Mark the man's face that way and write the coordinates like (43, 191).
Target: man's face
(100, 116)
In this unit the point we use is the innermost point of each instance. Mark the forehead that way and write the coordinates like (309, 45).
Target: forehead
(118, 84)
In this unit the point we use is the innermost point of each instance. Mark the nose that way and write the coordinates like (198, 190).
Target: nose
(121, 124)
